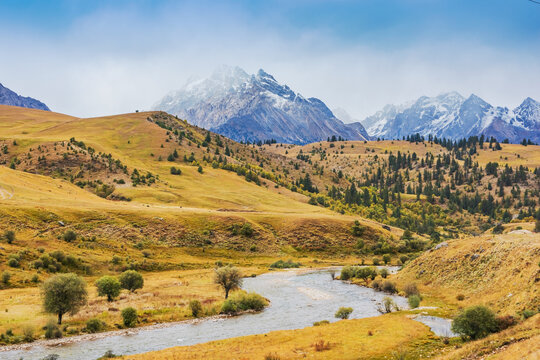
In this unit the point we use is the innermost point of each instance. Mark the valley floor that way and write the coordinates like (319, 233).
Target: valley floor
(395, 335)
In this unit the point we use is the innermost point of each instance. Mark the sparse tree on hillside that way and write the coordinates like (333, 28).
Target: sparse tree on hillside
(108, 286)
(229, 278)
(131, 280)
(9, 235)
(65, 293)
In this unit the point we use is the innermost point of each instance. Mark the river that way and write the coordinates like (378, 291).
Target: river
(298, 298)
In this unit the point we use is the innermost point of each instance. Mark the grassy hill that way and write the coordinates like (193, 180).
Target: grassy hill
(150, 192)
(499, 271)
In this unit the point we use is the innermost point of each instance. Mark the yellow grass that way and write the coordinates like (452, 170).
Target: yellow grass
(517, 343)
(164, 298)
(503, 276)
(348, 339)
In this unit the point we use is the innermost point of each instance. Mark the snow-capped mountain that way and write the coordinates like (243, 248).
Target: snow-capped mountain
(8, 97)
(451, 115)
(256, 107)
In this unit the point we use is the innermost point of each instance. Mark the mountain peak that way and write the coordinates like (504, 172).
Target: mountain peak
(256, 107)
(530, 102)
(474, 99)
(9, 97)
(452, 116)
(264, 75)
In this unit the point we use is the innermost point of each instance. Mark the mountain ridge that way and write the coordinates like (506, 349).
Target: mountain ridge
(256, 108)
(453, 116)
(9, 97)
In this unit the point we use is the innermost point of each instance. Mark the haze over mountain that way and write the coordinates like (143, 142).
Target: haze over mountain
(9, 97)
(453, 116)
(256, 107)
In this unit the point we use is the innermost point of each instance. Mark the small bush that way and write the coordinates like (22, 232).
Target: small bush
(387, 305)
(386, 258)
(69, 236)
(108, 355)
(504, 322)
(58, 255)
(389, 287)
(176, 171)
(384, 273)
(376, 261)
(229, 307)
(94, 325)
(414, 301)
(52, 331)
(246, 230)
(14, 263)
(527, 313)
(129, 317)
(28, 333)
(242, 301)
(460, 297)
(475, 322)
(376, 285)
(9, 235)
(347, 272)
(411, 289)
(404, 258)
(280, 264)
(196, 307)
(320, 323)
(321, 345)
(498, 229)
(343, 312)
(271, 356)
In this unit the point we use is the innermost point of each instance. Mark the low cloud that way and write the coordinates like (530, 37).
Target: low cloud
(113, 61)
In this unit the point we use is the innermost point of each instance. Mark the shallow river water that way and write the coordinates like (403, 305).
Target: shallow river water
(298, 298)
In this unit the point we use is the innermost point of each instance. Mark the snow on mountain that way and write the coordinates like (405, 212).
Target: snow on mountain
(256, 107)
(451, 115)
(8, 97)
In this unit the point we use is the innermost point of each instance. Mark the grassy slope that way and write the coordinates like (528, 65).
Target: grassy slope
(517, 343)
(500, 271)
(348, 339)
(194, 208)
(181, 222)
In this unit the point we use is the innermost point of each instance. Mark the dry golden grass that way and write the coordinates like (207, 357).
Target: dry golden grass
(164, 298)
(517, 343)
(347, 339)
(500, 271)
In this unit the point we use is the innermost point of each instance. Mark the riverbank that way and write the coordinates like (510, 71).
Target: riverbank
(123, 332)
(290, 309)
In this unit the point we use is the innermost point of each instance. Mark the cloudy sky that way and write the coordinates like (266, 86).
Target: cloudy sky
(90, 58)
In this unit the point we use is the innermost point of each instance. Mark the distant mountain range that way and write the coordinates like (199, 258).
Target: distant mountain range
(256, 107)
(8, 97)
(453, 116)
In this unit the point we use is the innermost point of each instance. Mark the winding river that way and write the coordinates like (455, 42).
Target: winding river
(298, 298)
